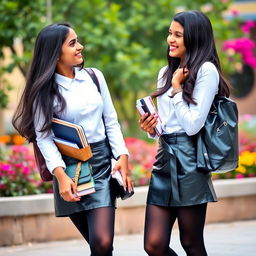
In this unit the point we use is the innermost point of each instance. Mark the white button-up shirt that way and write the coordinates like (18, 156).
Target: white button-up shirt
(84, 106)
(176, 114)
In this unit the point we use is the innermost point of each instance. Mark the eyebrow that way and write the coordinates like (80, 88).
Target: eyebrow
(73, 39)
(178, 32)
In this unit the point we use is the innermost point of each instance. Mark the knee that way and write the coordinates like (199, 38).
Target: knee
(153, 247)
(102, 246)
(193, 247)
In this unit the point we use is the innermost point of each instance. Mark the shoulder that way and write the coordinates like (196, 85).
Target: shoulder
(98, 73)
(208, 68)
(162, 72)
(161, 78)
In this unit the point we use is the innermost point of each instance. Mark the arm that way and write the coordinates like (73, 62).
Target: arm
(113, 132)
(53, 159)
(192, 117)
(148, 123)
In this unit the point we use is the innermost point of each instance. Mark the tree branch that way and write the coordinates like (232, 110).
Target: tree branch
(23, 71)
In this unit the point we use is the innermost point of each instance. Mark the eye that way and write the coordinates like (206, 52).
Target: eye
(179, 35)
(72, 43)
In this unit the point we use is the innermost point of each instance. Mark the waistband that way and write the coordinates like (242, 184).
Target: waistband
(176, 137)
(99, 143)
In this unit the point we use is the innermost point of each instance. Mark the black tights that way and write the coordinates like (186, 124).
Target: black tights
(158, 227)
(97, 227)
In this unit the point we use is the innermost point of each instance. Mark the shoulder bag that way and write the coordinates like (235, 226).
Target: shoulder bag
(217, 141)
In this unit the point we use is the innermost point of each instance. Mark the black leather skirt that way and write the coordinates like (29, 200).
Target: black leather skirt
(104, 196)
(175, 179)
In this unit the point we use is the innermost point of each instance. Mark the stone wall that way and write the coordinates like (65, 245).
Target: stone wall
(31, 218)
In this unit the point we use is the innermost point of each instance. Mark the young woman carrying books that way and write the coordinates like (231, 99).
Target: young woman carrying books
(186, 89)
(58, 86)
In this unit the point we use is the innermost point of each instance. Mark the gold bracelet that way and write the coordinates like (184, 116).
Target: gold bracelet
(175, 91)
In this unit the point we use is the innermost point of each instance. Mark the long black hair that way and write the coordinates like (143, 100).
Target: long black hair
(41, 90)
(200, 47)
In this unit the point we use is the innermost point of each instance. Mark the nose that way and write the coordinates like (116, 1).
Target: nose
(170, 38)
(79, 46)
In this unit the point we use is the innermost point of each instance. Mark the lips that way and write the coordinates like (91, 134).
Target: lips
(172, 48)
(79, 55)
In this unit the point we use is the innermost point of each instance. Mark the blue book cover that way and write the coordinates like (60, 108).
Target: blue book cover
(69, 132)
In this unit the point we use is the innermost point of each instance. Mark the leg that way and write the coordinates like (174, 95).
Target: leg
(101, 230)
(80, 221)
(158, 226)
(191, 220)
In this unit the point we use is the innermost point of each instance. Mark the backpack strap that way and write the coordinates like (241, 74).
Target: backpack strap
(93, 77)
(96, 82)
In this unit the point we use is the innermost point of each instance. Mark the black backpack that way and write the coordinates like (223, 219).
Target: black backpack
(217, 141)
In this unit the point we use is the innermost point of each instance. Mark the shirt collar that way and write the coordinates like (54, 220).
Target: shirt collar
(66, 81)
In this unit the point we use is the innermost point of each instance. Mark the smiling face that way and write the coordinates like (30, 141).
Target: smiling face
(71, 51)
(175, 40)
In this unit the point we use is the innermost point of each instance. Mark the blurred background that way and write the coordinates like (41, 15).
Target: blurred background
(126, 40)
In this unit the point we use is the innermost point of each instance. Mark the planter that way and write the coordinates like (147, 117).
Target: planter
(31, 218)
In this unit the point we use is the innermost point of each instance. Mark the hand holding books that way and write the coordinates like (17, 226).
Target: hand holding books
(71, 141)
(147, 106)
(118, 183)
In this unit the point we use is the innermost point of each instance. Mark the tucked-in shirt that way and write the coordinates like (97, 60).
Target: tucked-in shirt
(176, 114)
(84, 106)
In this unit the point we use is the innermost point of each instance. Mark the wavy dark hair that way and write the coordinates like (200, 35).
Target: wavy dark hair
(41, 89)
(200, 47)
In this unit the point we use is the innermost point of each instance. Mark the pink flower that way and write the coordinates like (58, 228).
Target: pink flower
(243, 46)
(2, 186)
(50, 191)
(235, 12)
(251, 175)
(11, 172)
(248, 26)
(18, 165)
(239, 176)
(26, 170)
(6, 167)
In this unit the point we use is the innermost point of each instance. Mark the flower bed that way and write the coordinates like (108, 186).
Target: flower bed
(18, 173)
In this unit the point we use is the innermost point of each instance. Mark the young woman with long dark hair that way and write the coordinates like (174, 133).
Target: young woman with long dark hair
(58, 86)
(186, 89)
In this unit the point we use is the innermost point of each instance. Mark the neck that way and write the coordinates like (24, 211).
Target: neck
(182, 61)
(65, 71)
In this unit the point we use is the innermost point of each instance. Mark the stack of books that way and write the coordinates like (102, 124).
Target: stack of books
(146, 105)
(82, 172)
(71, 141)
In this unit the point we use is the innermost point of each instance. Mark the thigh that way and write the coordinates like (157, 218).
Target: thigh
(158, 224)
(191, 220)
(101, 223)
(80, 221)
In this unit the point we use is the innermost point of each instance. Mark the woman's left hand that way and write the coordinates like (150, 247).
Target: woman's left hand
(179, 77)
(122, 166)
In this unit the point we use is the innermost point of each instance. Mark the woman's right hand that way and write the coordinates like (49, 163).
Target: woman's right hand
(66, 186)
(148, 123)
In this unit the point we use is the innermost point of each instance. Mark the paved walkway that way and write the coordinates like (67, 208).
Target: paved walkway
(224, 239)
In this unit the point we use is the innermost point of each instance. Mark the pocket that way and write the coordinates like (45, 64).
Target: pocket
(162, 159)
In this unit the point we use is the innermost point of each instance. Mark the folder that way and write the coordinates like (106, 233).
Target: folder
(70, 139)
(146, 105)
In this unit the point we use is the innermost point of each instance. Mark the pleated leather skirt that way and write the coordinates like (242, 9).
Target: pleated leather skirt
(175, 179)
(103, 197)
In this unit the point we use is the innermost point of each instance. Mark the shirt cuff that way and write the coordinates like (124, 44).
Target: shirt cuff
(177, 98)
(51, 166)
(121, 152)
(153, 137)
